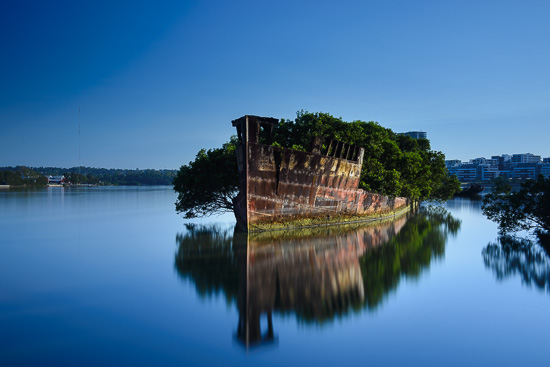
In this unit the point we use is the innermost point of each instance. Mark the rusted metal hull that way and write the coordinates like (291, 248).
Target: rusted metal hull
(286, 188)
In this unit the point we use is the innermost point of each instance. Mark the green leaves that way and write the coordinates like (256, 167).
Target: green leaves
(22, 176)
(393, 165)
(526, 209)
(209, 183)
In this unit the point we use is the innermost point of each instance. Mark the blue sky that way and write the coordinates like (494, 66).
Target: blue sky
(157, 81)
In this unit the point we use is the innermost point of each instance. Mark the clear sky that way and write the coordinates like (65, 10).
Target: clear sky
(157, 81)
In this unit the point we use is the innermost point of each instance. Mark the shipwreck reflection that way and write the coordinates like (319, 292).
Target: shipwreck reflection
(317, 275)
(512, 256)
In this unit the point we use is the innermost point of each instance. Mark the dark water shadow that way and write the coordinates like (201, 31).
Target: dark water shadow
(471, 203)
(512, 256)
(318, 275)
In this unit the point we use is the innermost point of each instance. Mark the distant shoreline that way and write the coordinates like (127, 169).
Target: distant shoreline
(6, 187)
(21, 175)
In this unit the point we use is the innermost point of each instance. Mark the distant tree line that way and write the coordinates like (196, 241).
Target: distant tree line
(87, 175)
(22, 176)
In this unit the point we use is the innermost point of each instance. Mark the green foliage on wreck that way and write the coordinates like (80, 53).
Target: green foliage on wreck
(209, 183)
(393, 165)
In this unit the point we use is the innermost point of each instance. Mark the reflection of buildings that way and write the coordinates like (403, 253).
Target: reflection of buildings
(317, 276)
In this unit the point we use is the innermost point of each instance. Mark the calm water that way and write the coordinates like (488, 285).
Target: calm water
(113, 276)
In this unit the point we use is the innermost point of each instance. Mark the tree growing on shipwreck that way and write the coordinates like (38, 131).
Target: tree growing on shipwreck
(208, 184)
(393, 164)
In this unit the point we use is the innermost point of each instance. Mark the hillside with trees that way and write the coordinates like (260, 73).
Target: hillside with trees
(90, 176)
(22, 177)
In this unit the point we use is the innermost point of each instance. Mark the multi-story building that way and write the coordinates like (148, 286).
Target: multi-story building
(520, 166)
(506, 173)
(544, 169)
(467, 173)
(486, 172)
(416, 134)
(452, 166)
(525, 171)
(493, 162)
(478, 161)
(525, 158)
(453, 163)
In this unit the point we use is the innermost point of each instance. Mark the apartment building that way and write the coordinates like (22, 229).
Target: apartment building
(520, 166)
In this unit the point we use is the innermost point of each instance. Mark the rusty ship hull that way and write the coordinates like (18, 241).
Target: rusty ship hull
(286, 188)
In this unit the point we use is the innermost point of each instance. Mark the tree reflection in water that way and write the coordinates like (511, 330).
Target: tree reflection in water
(509, 256)
(205, 256)
(317, 274)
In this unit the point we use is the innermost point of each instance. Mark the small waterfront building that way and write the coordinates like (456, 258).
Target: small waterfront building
(55, 179)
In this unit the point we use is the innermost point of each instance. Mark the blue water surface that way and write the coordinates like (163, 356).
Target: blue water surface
(114, 276)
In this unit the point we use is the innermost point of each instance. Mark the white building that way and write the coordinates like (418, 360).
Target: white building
(453, 163)
(478, 161)
(55, 179)
(525, 158)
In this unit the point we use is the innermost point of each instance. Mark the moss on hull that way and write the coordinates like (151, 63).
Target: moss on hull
(315, 220)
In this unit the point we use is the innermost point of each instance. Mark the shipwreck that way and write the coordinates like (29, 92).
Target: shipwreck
(284, 188)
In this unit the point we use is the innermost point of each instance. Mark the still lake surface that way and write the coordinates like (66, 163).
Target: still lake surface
(113, 276)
